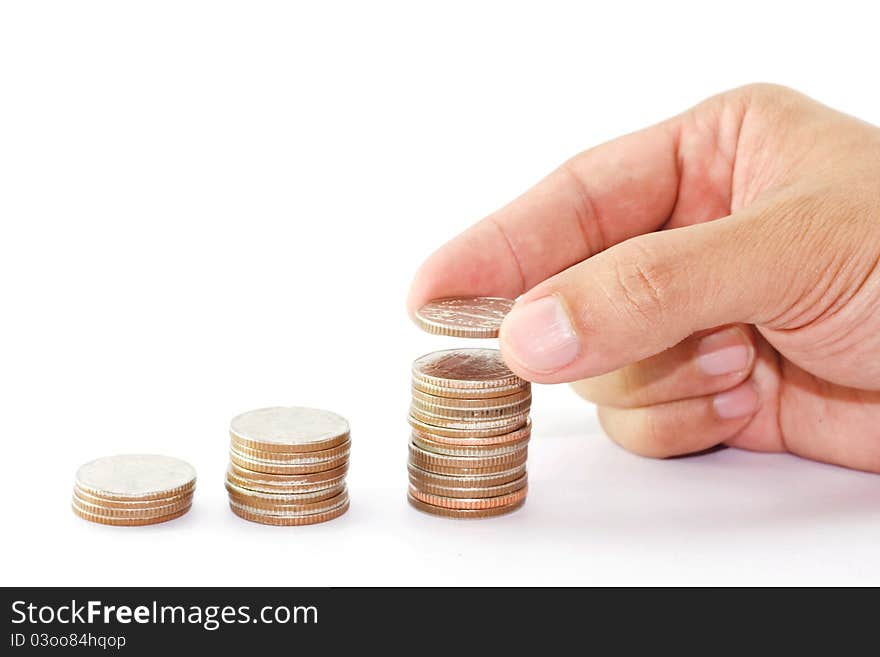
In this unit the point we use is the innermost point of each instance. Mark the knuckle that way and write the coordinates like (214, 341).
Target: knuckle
(641, 282)
(812, 228)
(778, 106)
(767, 92)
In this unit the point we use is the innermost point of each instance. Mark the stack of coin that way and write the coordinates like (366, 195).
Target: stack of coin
(133, 489)
(470, 431)
(287, 466)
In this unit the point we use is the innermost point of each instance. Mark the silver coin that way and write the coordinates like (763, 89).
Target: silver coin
(481, 450)
(447, 405)
(292, 428)
(501, 424)
(137, 476)
(291, 511)
(464, 317)
(471, 369)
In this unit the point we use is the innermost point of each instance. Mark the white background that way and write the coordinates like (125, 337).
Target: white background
(212, 207)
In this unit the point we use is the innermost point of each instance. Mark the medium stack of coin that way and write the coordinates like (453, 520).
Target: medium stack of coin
(470, 431)
(133, 489)
(287, 466)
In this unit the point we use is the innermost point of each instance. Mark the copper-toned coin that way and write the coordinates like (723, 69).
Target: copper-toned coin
(483, 430)
(288, 521)
(464, 393)
(272, 467)
(292, 479)
(128, 477)
(423, 477)
(275, 500)
(464, 317)
(289, 429)
(116, 512)
(292, 510)
(429, 460)
(477, 450)
(126, 522)
(428, 400)
(470, 493)
(147, 507)
(469, 502)
(88, 498)
(293, 458)
(476, 371)
(468, 472)
(428, 411)
(463, 513)
(495, 426)
(523, 433)
(285, 484)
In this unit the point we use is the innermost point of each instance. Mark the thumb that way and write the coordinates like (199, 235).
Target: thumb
(641, 297)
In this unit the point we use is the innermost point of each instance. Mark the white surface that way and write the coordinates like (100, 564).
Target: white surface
(208, 208)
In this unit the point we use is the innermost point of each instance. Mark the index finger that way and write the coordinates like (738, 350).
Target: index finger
(603, 196)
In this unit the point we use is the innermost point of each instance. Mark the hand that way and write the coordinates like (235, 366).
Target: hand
(714, 279)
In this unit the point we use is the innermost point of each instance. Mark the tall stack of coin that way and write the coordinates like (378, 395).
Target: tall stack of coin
(469, 417)
(287, 465)
(133, 489)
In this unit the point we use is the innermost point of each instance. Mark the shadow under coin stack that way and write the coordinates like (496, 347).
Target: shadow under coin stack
(133, 489)
(287, 466)
(469, 417)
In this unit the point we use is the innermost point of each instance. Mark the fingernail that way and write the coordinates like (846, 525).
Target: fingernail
(724, 352)
(739, 402)
(540, 336)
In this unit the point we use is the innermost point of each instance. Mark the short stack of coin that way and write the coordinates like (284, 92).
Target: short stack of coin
(133, 489)
(287, 466)
(470, 431)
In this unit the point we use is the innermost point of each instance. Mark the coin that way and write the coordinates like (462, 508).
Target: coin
(116, 512)
(129, 504)
(477, 450)
(470, 472)
(522, 433)
(465, 393)
(465, 481)
(130, 522)
(428, 411)
(472, 426)
(473, 370)
(293, 458)
(289, 479)
(288, 521)
(466, 317)
(127, 477)
(429, 460)
(469, 502)
(272, 467)
(464, 513)
(481, 430)
(292, 511)
(280, 500)
(285, 484)
(475, 492)
(289, 429)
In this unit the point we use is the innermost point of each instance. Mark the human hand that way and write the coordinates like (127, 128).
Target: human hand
(713, 279)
